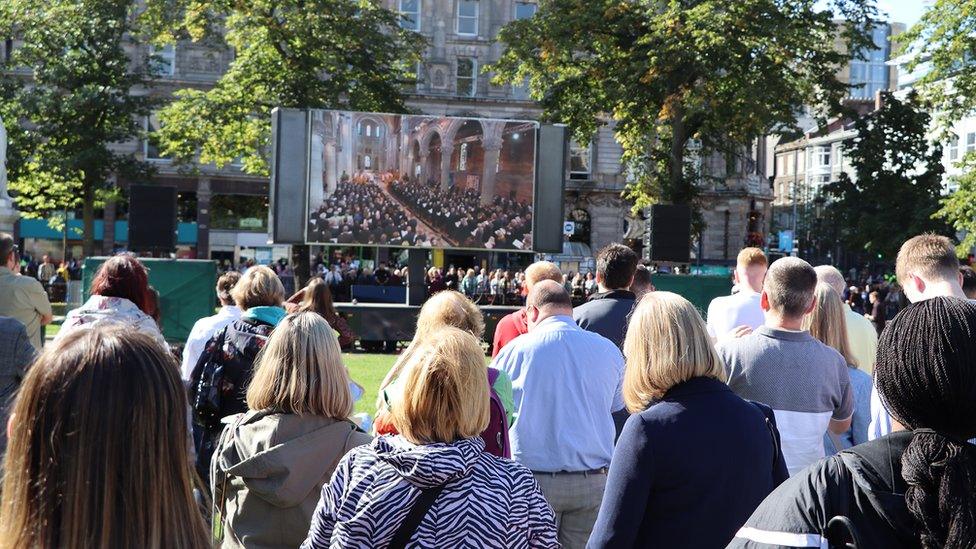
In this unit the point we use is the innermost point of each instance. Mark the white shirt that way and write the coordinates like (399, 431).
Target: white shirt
(727, 313)
(202, 331)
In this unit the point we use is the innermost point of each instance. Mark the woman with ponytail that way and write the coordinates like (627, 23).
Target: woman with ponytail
(915, 487)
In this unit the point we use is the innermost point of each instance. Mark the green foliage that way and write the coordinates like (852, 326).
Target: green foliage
(945, 39)
(65, 97)
(667, 71)
(897, 183)
(288, 53)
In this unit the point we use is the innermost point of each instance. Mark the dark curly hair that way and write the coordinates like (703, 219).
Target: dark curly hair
(926, 376)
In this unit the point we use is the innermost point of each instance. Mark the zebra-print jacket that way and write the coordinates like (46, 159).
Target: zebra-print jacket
(487, 501)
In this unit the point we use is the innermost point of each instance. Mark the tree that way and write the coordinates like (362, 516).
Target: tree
(333, 54)
(669, 71)
(897, 184)
(67, 96)
(944, 40)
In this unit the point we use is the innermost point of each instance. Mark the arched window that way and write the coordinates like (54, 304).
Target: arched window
(463, 158)
(581, 230)
(366, 162)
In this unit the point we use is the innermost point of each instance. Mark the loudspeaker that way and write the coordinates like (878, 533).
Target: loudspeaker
(670, 233)
(550, 175)
(290, 142)
(152, 218)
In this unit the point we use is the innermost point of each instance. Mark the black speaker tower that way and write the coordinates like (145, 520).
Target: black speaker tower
(152, 218)
(670, 233)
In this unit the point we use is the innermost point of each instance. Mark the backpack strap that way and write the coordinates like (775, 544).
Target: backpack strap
(493, 374)
(416, 515)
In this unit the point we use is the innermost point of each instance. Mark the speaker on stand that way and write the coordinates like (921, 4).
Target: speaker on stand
(669, 233)
(152, 219)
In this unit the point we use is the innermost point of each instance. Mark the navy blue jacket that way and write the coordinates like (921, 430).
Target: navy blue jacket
(689, 470)
(607, 314)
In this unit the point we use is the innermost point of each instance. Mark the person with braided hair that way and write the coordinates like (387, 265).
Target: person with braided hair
(926, 267)
(915, 487)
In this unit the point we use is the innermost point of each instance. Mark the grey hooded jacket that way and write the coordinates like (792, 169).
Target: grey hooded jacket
(268, 471)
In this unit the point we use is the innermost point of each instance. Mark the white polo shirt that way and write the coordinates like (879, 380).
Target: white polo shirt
(727, 313)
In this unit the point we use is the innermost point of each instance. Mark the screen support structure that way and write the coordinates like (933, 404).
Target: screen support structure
(416, 271)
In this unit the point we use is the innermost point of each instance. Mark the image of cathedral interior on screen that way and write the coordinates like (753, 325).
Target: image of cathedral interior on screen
(406, 180)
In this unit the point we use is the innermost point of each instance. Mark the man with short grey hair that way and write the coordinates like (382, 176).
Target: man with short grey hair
(22, 297)
(861, 335)
(566, 383)
(782, 366)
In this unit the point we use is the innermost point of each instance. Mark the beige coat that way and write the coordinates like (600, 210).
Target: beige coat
(268, 473)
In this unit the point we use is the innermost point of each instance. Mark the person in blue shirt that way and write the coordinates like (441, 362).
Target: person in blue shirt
(828, 324)
(695, 460)
(566, 384)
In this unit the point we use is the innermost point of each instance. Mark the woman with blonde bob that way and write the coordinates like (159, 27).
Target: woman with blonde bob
(98, 448)
(694, 460)
(828, 324)
(446, 309)
(437, 460)
(271, 462)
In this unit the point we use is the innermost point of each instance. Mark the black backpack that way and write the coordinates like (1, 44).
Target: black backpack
(206, 399)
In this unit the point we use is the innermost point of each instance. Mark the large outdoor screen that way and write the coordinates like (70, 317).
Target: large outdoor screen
(408, 180)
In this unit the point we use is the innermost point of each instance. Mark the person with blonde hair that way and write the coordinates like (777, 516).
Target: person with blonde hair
(272, 461)
(514, 324)
(666, 486)
(98, 448)
(828, 325)
(446, 309)
(861, 335)
(738, 314)
(433, 485)
(219, 380)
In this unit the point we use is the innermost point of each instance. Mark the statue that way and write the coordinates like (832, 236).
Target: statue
(8, 213)
(3, 162)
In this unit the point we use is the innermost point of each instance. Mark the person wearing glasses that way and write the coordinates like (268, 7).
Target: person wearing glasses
(22, 297)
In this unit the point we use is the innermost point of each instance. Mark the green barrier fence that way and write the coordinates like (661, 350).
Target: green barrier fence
(699, 290)
(185, 286)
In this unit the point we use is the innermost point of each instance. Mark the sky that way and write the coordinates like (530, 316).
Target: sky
(901, 11)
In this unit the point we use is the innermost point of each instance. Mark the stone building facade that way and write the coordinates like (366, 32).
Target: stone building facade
(461, 34)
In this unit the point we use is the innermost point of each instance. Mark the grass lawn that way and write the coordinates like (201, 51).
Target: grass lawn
(368, 370)
(365, 369)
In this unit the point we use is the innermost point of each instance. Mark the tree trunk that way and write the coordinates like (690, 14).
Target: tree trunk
(88, 217)
(301, 265)
(677, 186)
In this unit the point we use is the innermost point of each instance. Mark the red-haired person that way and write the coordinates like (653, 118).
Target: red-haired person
(120, 295)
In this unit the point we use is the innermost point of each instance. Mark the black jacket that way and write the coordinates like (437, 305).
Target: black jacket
(607, 314)
(862, 483)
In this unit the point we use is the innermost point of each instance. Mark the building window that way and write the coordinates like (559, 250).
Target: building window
(410, 14)
(8, 49)
(580, 160)
(467, 77)
(954, 147)
(970, 142)
(463, 158)
(823, 156)
(162, 61)
(150, 145)
(467, 17)
(525, 10)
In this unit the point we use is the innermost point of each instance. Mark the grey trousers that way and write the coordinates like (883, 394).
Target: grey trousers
(576, 501)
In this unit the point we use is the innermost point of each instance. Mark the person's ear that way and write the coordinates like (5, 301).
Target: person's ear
(735, 276)
(813, 305)
(764, 301)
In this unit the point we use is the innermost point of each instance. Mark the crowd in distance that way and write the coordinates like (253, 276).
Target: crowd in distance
(390, 212)
(625, 421)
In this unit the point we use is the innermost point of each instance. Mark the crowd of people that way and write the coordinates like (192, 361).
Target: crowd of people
(362, 213)
(627, 421)
(458, 213)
